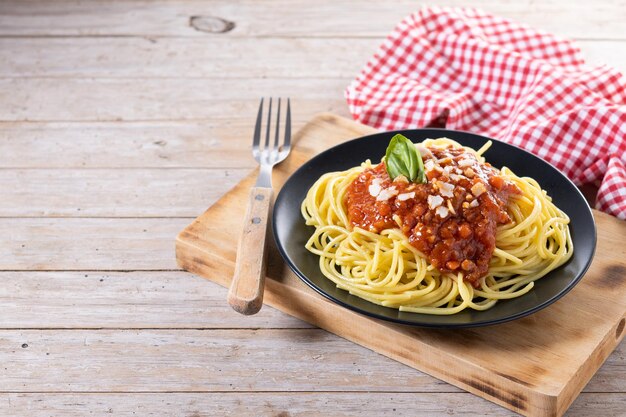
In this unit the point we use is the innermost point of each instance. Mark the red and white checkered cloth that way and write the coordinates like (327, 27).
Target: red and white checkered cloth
(468, 70)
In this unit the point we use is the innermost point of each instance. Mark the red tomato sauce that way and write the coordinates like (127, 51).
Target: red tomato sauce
(451, 219)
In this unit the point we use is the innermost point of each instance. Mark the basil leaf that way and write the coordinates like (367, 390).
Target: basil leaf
(402, 158)
(421, 171)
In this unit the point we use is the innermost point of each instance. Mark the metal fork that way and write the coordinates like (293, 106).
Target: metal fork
(246, 289)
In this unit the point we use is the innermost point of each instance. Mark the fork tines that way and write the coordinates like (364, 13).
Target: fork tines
(278, 151)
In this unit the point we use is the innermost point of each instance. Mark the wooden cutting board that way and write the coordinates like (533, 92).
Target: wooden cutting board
(535, 366)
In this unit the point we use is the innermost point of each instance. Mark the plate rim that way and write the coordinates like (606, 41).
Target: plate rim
(479, 323)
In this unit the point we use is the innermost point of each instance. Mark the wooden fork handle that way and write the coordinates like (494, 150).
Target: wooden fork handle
(246, 289)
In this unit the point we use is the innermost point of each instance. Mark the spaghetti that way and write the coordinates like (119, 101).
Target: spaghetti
(470, 236)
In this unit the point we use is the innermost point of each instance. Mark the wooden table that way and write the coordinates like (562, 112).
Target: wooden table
(120, 121)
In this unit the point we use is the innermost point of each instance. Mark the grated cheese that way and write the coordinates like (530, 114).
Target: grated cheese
(386, 194)
(406, 196)
(446, 189)
(442, 212)
(434, 201)
(478, 189)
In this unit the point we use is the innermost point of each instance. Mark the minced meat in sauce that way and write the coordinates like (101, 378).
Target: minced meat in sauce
(451, 219)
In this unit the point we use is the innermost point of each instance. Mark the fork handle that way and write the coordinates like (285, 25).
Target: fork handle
(246, 289)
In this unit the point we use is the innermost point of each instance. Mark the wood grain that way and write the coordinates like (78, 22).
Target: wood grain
(154, 58)
(89, 244)
(185, 360)
(102, 193)
(191, 99)
(486, 361)
(261, 351)
(195, 144)
(110, 84)
(173, 300)
(202, 144)
(309, 404)
(127, 300)
(245, 294)
(66, 359)
(286, 18)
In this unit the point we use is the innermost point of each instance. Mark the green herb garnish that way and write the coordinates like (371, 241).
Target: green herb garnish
(402, 158)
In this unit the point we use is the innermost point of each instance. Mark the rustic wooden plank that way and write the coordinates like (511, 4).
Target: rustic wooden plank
(131, 300)
(601, 403)
(119, 192)
(611, 377)
(204, 361)
(136, 300)
(324, 18)
(202, 144)
(184, 57)
(50, 99)
(113, 192)
(197, 360)
(217, 57)
(88, 244)
(306, 404)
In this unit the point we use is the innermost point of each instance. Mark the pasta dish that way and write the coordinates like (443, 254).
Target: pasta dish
(434, 229)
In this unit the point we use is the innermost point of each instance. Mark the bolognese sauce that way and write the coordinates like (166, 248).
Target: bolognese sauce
(451, 219)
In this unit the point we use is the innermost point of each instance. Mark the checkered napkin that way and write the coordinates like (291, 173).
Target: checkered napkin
(468, 70)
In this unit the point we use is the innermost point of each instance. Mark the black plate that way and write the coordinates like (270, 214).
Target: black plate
(291, 233)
